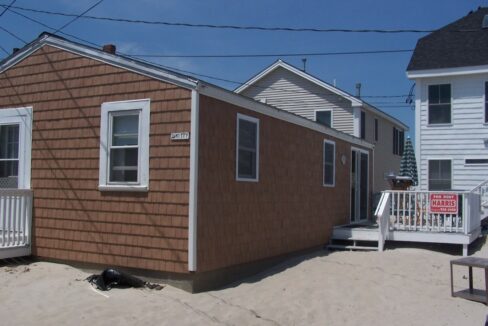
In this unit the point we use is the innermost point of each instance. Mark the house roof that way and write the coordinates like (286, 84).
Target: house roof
(167, 75)
(463, 43)
(355, 101)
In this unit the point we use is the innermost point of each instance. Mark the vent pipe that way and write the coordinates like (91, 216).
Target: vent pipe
(358, 90)
(304, 60)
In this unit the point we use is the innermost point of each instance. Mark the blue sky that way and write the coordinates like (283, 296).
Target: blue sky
(380, 74)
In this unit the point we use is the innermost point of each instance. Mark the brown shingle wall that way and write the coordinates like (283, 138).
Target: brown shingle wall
(72, 219)
(287, 210)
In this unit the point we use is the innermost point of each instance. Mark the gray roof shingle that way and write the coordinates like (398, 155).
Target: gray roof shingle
(462, 43)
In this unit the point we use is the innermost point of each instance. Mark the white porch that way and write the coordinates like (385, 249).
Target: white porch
(418, 216)
(15, 222)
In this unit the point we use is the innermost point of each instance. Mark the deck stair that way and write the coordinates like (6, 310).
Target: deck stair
(354, 237)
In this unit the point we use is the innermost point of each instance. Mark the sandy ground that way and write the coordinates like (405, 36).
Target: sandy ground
(397, 287)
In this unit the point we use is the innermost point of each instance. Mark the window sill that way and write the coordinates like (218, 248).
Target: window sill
(125, 188)
(440, 125)
(247, 180)
(328, 185)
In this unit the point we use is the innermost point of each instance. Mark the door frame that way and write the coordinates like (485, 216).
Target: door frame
(361, 220)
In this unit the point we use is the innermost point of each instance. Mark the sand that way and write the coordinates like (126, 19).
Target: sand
(397, 287)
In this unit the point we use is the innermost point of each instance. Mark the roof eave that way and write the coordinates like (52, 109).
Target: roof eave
(99, 55)
(445, 72)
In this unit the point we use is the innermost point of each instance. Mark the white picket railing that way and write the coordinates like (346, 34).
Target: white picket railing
(411, 211)
(15, 218)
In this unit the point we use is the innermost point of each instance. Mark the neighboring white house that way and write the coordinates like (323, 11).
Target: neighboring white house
(289, 88)
(450, 70)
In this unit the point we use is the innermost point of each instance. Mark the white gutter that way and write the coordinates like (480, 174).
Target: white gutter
(193, 191)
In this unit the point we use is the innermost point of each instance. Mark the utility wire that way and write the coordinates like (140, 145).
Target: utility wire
(190, 72)
(6, 8)
(12, 34)
(3, 49)
(261, 55)
(233, 27)
(52, 28)
(77, 17)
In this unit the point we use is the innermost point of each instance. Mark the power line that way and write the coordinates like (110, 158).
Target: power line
(12, 34)
(198, 74)
(77, 17)
(233, 27)
(261, 55)
(6, 8)
(52, 28)
(3, 49)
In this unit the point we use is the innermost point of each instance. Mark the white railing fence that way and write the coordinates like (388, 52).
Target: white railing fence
(382, 215)
(482, 190)
(15, 218)
(412, 211)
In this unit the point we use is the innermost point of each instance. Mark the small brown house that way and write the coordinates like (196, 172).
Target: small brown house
(135, 166)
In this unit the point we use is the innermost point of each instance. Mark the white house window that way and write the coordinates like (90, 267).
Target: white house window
(486, 102)
(440, 177)
(324, 117)
(398, 141)
(124, 145)
(247, 160)
(9, 156)
(475, 161)
(439, 104)
(376, 129)
(363, 125)
(329, 163)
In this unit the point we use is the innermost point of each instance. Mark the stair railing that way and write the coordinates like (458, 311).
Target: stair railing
(382, 214)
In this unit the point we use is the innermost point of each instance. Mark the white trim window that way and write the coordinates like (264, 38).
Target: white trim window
(329, 163)
(324, 117)
(15, 148)
(398, 141)
(440, 175)
(247, 148)
(124, 146)
(440, 104)
(486, 102)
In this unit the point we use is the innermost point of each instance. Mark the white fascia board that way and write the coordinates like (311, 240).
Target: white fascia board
(354, 101)
(388, 117)
(444, 72)
(99, 55)
(252, 105)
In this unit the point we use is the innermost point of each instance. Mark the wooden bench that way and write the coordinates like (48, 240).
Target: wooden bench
(471, 293)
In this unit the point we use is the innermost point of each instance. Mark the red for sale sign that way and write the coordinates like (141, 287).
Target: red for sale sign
(444, 203)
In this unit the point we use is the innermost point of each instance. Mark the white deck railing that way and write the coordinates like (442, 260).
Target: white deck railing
(15, 218)
(412, 211)
(382, 214)
(482, 190)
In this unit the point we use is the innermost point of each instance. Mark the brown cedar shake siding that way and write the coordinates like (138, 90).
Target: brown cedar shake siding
(72, 219)
(287, 210)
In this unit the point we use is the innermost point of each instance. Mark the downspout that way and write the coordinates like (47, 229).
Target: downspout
(193, 189)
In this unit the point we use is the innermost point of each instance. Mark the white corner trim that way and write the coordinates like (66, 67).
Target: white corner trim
(22, 116)
(326, 141)
(255, 121)
(144, 105)
(193, 189)
(252, 105)
(444, 72)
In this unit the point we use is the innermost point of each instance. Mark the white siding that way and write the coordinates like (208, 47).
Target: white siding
(290, 92)
(463, 138)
